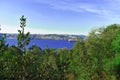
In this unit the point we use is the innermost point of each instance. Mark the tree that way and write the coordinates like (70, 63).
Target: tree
(98, 45)
(48, 65)
(108, 35)
(95, 50)
(116, 49)
(23, 39)
(3, 46)
(63, 64)
(35, 50)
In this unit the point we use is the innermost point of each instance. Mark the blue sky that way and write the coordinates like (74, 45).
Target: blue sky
(58, 16)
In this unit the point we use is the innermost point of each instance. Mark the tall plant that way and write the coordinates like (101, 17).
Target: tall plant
(23, 39)
(3, 46)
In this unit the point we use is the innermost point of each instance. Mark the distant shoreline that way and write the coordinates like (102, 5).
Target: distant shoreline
(49, 36)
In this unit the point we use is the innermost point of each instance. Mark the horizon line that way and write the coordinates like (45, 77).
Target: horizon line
(46, 33)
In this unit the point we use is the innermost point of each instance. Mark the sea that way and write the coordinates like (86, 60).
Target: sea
(43, 43)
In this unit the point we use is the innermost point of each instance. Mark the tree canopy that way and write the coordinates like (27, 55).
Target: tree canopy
(95, 58)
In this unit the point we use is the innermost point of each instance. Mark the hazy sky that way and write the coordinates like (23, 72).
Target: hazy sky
(58, 16)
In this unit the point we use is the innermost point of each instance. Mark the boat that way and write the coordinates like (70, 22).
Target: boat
(71, 40)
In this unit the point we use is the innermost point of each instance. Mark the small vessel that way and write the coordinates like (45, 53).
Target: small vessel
(71, 40)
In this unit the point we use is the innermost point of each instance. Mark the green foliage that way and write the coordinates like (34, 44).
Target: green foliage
(96, 58)
(3, 46)
(63, 64)
(23, 39)
(116, 42)
(79, 60)
(35, 50)
(116, 48)
(48, 65)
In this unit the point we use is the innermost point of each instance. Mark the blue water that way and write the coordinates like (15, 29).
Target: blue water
(43, 43)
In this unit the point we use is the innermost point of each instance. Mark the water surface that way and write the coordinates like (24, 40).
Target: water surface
(42, 43)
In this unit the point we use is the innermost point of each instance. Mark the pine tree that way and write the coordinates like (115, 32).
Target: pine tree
(23, 39)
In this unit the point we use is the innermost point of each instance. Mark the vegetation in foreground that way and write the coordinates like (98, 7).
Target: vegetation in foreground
(96, 58)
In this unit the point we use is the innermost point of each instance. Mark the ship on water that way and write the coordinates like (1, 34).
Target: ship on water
(71, 40)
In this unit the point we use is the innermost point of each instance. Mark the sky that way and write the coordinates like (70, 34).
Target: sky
(58, 16)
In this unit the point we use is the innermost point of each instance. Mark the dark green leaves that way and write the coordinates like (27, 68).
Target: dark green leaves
(23, 39)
